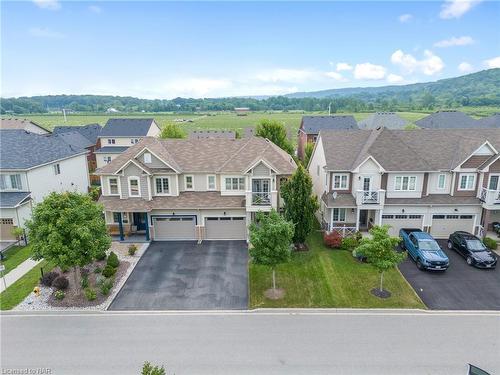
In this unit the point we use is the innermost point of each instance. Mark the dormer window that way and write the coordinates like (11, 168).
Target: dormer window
(147, 158)
(111, 141)
(134, 141)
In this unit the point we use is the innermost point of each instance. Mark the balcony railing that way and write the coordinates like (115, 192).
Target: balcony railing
(261, 198)
(489, 197)
(370, 197)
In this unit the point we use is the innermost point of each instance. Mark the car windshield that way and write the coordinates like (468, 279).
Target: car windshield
(475, 245)
(428, 245)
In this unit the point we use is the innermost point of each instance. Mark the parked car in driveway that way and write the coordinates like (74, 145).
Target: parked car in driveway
(424, 250)
(472, 249)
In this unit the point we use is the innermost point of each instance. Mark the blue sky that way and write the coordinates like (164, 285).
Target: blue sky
(212, 49)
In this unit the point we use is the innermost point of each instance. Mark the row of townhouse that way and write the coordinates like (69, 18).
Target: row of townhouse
(192, 189)
(438, 180)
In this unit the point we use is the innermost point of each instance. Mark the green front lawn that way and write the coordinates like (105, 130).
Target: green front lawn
(15, 256)
(329, 278)
(18, 291)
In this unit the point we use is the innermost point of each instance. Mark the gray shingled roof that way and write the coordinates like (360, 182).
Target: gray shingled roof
(404, 150)
(313, 124)
(22, 150)
(447, 120)
(74, 139)
(90, 131)
(388, 120)
(12, 198)
(490, 122)
(111, 150)
(126, 127)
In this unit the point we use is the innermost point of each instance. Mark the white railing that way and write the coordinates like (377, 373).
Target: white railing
(344, 231)
(261, 198)
(370, 197)
(489, 197)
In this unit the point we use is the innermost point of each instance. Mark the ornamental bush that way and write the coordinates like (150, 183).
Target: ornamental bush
(61, 283)
(108, 271)
(48, 278)
(90, 294)
(113, 260)
(59, 294)
(490, 243)
(332, 239)
(132, 249)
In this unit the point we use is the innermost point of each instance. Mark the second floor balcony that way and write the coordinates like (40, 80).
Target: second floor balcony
(370, 197)
(489, 197)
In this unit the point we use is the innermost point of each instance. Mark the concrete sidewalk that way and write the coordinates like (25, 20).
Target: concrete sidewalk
(17, 273)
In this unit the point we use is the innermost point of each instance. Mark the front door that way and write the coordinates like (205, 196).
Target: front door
(140, 220)
(363, 217)
(367, 183)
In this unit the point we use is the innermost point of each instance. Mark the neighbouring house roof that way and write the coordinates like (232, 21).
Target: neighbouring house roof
(19, 124)
(126, 127)
(438, 199)
(185, 200)
(404, 150)
(13, 199)
(23, 150)
(342, 200)
(111, 150)
(388, 120)
(313, 124)
(208, 155)
(490, 122)
(90, 131)
(447, 120)
(74, 139)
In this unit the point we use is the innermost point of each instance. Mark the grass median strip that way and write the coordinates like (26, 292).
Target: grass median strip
(15, 256)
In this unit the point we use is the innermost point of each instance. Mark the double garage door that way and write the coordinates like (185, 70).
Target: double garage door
(184, 228)
(402, 221)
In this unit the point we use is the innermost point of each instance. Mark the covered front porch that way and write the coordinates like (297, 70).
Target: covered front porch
(128, 226)
(349, 220)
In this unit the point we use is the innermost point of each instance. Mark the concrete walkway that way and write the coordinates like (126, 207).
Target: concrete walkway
(17, 273)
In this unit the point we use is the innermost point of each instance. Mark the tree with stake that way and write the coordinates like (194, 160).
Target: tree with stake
(380, 253)
(271, 238)
(300, 204)
(68, 229)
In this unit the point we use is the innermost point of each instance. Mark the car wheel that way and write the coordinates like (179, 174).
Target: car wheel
(469, 261)
(450, 245)
(420, 266)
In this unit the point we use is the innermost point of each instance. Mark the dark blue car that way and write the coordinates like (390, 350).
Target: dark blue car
(424, 250)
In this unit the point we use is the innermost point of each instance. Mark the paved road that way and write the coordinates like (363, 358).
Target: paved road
(253, 343)
(460, 287)
(184, 275)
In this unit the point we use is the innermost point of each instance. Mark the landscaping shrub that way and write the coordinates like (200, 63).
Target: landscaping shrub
(113, 260)
(106, 286)
(59, 294)
(85, 281)
(61, 283)
(90, 294)
(108, 271)
(350, 243)
(48, 278)
(332, 240)
(99, 280)
(84, 271)
(490, 243)
(98, 270)
(132, 249)
(101, 256)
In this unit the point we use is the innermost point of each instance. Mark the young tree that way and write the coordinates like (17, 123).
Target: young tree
(275, 131)
(300, 204)
(68, 229)
(172, 131)
(380, 252)
(271, 237)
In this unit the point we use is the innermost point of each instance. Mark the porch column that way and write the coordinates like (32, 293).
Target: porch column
(147, 225)
(380, 217)
(331, 219)
(120, 226)
(357, 219)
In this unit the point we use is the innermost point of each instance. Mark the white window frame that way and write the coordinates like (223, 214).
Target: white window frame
(7, 182)
(402, 183)
(111, 141)
(57, 169)
(117, 184)
(340, 187)
(208, 182)
(107, 159)
(467, 177)
(147, 158)
(439, 187)
(130, 186)
(156, 186)
(186, 183)
(134, 140)
(231, 178)
(494, 175)
(339, 216)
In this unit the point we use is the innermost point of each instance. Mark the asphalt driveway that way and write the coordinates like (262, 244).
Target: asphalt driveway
(184, 275)
(460, 287)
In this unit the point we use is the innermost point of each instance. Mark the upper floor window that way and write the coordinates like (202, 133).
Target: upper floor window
(134, 189)
(405, 183)
(57, 169)
(467, 182)
(493, 184)
(441, 181)
(189, 182)
(147, 158)
(162, 185)
(111, 141)
(10, 182)
(107, 159)
(235, 183)
(113, 186)
(210, 182)
(340, 181)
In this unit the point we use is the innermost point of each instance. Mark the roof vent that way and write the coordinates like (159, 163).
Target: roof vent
(334, 195)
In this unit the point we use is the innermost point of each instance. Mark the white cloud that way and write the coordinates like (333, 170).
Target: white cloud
(336, 76)
(453, 41)
(43, 32)
(492, 63)
(456, 8)
(404, 18)
(287, 75)
(465, 67)
(343, 66)
(394, 78)
(48, 4)
(95, 9)
(369, 71)
(429, 65)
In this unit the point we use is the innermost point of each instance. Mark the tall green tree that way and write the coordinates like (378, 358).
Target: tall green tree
(300, 203)
(172, 131)
(379, 250)
(308, 150)
(271, 238)
(275, 131)
(68, 229)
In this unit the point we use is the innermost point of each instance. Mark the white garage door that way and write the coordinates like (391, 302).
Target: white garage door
(225, 228)
(444, 225)
(402, 221)
(174, 228)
